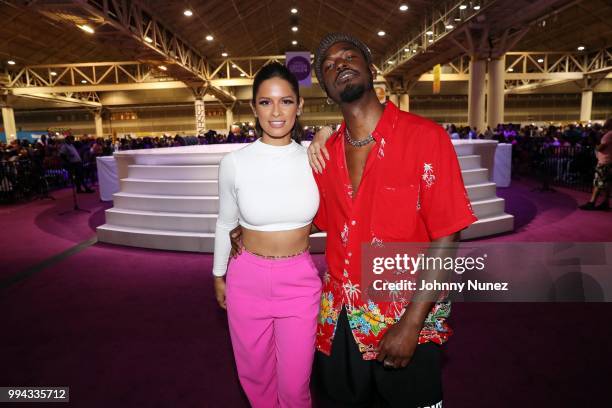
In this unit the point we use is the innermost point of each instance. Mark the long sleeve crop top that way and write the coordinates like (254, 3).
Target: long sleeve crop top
(264, 188)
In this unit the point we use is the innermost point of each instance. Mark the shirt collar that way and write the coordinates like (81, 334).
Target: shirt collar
(384, 127)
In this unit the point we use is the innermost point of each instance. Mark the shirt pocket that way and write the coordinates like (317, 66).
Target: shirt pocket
(394, 212)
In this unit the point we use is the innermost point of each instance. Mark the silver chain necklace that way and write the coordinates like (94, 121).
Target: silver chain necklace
(357, 143)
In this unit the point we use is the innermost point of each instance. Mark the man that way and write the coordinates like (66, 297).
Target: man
(74, 164)
(390, 176)
(603, 172)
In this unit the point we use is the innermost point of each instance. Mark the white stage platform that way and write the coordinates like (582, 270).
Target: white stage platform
(168, 198)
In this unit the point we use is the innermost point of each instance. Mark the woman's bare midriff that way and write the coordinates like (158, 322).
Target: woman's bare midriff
(276, 243)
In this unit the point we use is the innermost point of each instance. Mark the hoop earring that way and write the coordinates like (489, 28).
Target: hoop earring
(329, 101)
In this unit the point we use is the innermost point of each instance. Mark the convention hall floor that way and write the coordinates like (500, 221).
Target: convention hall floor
(127, 327)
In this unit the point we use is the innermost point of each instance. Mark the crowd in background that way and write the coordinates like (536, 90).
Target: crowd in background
(563, 154)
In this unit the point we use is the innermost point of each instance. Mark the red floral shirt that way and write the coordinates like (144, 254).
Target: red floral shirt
(411, 191)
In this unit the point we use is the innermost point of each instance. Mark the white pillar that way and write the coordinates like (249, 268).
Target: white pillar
(405, 102)
(476, 96)
(8, 120)
(394, 98)
(229, 118)
(98, 122)
(495, 92)
(586, 105)
(200, 116)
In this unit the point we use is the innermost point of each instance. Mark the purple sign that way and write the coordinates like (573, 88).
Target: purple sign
(299, 64)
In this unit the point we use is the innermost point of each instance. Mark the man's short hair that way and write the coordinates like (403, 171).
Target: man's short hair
(331, 39)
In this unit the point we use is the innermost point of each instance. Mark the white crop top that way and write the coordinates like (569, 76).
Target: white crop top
(264, 188)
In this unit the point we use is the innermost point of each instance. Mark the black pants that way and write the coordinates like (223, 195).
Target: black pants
(76, 173)
(344, 379)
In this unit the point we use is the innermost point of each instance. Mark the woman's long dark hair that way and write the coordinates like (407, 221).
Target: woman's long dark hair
(278, 70)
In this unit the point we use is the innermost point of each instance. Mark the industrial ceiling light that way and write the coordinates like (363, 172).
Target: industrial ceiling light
(224, 54)
(476, 7)
(294, 42)
(53, 73)
(294, 10)
(381, 33)
(188, 13)
(540, 60)
(294, 28)
(11, 62)
(243, 74)
(510, 69)
(581, 48)
(450, 26)
(403, 7)
(148, 39)
(429, 32)
(462, 7)
(209, 38)
(83, 81)
(87, 28)
(163, 68)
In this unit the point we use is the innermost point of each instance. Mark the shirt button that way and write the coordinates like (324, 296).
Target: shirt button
(346, 261)
(353, 222)
(350, 254)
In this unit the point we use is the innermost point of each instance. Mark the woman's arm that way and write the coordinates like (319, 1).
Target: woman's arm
(226, 221)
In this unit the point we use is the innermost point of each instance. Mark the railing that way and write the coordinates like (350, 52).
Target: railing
(565, 166)
(27, 179)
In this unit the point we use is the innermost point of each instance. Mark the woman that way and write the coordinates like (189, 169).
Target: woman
(272, 288)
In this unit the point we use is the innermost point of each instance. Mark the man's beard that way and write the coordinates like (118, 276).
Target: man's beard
(351, 93)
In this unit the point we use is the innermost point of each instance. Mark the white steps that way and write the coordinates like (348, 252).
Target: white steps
(481, 191)
(469, 162)
(488, 207)
(170, 187)
(169, 203)
(138, 171)
(475, 176)
(166, 221)
(489, 226)
(172, 202)
(156, 239)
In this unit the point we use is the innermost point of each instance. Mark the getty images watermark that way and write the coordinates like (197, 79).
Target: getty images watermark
(488, 272)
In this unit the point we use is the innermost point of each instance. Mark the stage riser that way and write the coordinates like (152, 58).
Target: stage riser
(155, 241)
(161, 221)
(148, 239)
(171, 187)
(481, 191)
(210, 205)
(487, 227)
(488, 208)
(190, 160)
(198, 223)
(195, 205)
(475, 176)
(469, 162)
(174, 172)
(185, 185)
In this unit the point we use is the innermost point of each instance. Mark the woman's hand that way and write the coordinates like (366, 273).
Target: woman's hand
(220, 291)
(236, 240)
(317, 149)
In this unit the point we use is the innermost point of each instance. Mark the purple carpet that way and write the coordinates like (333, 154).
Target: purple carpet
(126, 327)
